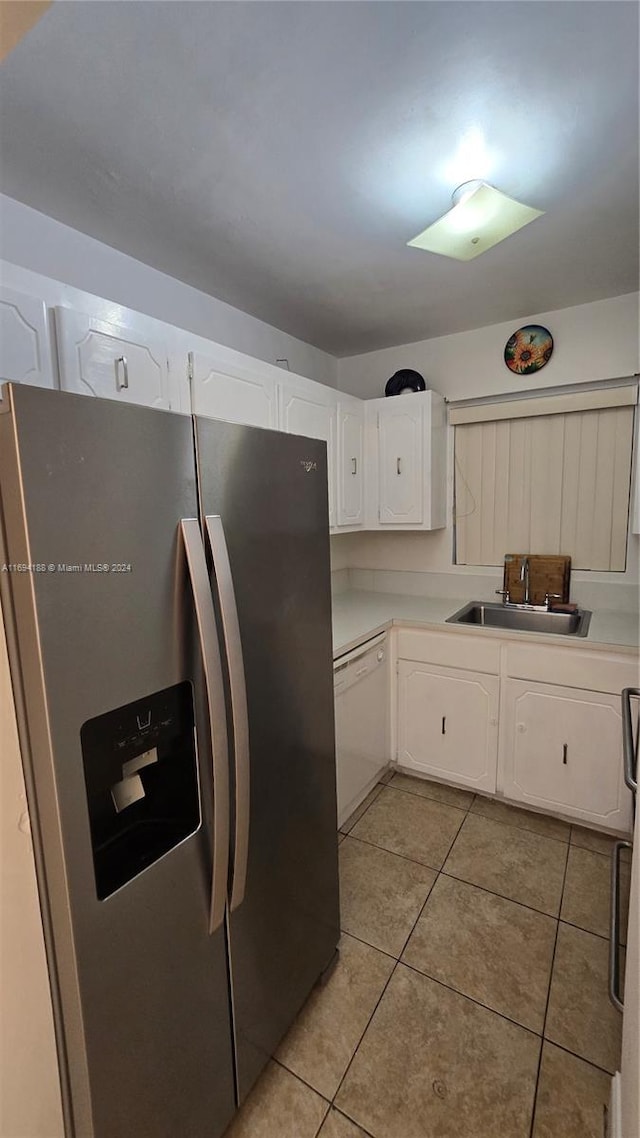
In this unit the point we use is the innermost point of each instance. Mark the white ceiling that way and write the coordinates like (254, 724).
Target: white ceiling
(279, 155)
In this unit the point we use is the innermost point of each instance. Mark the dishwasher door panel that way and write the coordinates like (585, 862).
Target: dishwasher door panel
(361, 686)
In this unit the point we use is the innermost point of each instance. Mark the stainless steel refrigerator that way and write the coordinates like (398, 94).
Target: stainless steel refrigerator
(167, 606)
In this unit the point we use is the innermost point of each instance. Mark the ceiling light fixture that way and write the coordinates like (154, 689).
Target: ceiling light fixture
(480, 217)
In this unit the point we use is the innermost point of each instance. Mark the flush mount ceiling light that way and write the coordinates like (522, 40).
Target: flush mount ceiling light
(480, 217)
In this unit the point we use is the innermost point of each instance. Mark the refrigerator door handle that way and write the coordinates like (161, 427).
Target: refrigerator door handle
(208, 636)
(629, 748)
(238, 690)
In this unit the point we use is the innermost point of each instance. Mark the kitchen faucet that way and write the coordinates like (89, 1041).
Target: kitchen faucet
(526, 602)
(524, 576)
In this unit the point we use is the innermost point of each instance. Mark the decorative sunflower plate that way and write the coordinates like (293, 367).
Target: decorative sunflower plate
(528, 349)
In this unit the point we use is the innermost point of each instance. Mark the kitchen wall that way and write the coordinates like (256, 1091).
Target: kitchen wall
(38, 244)
(592, 342)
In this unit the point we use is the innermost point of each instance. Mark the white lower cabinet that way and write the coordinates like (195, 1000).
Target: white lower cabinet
(448, 723)
(561, 750)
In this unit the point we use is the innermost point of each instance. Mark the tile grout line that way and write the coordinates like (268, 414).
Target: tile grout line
(569, 844)
(382, 951)
(438, 872)
(546, 1009)
(440, 801)
(378, 789)
(478, 814)
(302, 1080)
(463, 810)
(398, 959)
(364, 1032)
(447, 873)
(523, 904)
(375, 846)
(337, 1109)
(458, 991)
(448, 987)
(420, 797)
(469, 810)
(574, 1055)
(539, 912)
(472, 999)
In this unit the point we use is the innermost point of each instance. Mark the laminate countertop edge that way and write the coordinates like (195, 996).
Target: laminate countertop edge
(358, 616)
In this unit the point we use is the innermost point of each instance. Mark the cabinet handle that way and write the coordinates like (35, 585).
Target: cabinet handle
(444, 721)
(122, 383)
(565, 749)
(398, 466)
(354, 466)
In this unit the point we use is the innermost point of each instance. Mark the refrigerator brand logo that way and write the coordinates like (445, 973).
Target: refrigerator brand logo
(308, 465)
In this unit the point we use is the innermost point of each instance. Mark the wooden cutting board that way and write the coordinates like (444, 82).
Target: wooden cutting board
(547, 574)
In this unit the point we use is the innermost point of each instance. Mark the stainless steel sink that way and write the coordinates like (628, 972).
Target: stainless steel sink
(522, 620)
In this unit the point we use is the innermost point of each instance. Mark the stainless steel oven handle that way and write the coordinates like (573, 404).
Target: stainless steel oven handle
(628, 745)
(239, 713)
(614, 927)
(208, 636)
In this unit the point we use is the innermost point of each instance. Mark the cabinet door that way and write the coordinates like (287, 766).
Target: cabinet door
(112, 361)
(350, 464)
(401, 462)
(239, 398)
(25, 351)
(310, 409)
(562, 750)
(448, 723)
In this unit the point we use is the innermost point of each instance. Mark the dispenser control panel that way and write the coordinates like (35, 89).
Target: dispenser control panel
(141, 778)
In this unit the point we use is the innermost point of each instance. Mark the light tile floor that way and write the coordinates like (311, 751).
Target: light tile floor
(470, 997)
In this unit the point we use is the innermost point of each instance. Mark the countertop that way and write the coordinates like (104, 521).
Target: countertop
(359, 615)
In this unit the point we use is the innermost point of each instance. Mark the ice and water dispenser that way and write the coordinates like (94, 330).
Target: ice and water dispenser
(141, 777)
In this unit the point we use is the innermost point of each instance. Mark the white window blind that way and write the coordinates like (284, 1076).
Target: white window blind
(556, 482)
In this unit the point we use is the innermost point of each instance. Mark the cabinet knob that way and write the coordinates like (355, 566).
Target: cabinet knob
(521, 727)
(493, 722)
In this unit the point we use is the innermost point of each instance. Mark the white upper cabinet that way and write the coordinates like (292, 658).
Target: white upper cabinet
(25, 349)
(113, 361)
(239, 394)
(350, 469)
(406, 468)
(400, 457)
(309, 408)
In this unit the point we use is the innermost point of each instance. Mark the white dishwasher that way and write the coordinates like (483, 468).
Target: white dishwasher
(361, 688)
